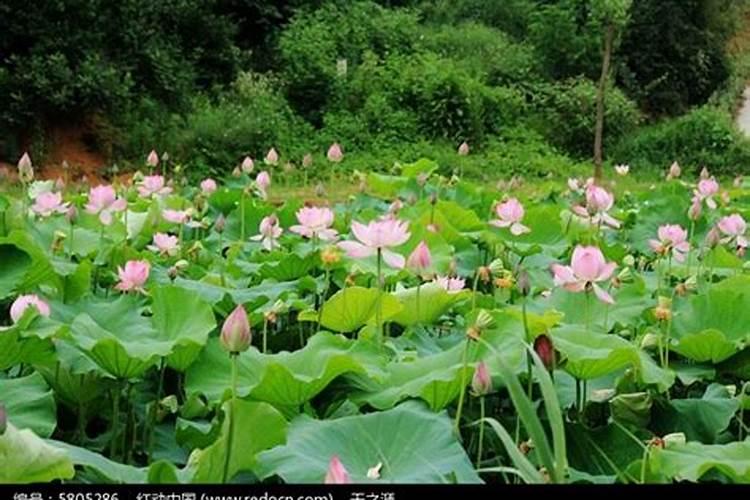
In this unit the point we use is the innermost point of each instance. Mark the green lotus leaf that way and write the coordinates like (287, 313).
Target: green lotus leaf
(29, 403)
(27, 458)
(413, 444)
(257, 427)
(691, 461)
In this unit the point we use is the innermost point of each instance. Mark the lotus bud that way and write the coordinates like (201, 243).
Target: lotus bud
(25, 169)
(307, 160)
(675, 438)
(649, 341)
(330, 256)
(220, 224)
(335, 154)
(463, 149)
(152, 160)
(704, 173)
(247, 165)
(545, 349)
(524, 284)
(3, 419)
(235, 333)
(337, 473)
(481, 383)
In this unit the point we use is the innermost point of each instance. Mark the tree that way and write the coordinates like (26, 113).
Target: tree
(613, 15)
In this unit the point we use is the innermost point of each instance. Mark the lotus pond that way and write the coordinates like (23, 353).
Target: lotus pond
(422, 330)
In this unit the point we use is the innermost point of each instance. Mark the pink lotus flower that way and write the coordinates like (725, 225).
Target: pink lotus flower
(672, 238)
(23, 302)
(315, 222)
(104, 201)
(622, 169)
(272, 157)
(335, 154)
(153, 185)
(377, 237)
(133, 276)
(208, 187)
(707, 189)
(247, 165)
(337, 473)
(270, 231)
(451, 285)
(165, 244)
(598, 203)
(263, 182)
(420, 259)
(510, 215)
(463, 149)
(49, 203)
(153, 159)
(734, 227)
(235, 333)
(587, 268)
(674, 171)
(176, 216)
(481, 383)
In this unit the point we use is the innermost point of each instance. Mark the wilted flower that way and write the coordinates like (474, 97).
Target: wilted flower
(463, 149)
(49, 203)
(272, 157)
(378, 237)
(315, 222)
(104, 201)
(420, 259)
(23, 302)
(235, 333)
(672, 238)
(133, 276)
(674, 171)
(481, 383)
(707, 189)
(510, 215)
(337, 473)
(734, 227)
(587, 268)
(208, 187)
(25, 169)
(335, 154)
(247, 165)
(622, 169)
(153, 185)
(270, 231)
(165, 244)
(451, 285)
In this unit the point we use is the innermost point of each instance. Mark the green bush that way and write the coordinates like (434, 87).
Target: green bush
(567, 111)
(703, 137)
(314, 42)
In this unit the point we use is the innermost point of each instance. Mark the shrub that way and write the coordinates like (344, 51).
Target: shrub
(703, 137)
(315, 41)
(568, 111)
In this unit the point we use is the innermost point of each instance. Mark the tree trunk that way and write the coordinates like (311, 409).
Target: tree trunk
(599, 132)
